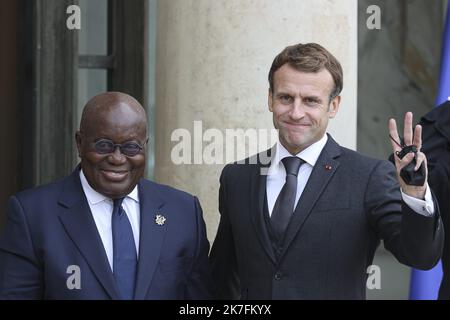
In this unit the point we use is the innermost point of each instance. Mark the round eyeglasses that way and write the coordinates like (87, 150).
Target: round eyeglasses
(105, 146)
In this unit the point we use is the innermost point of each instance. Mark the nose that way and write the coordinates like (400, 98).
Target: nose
(297, 110)
(117, 157)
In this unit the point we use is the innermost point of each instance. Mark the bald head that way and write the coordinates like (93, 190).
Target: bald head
(115, 122)
(108, 103)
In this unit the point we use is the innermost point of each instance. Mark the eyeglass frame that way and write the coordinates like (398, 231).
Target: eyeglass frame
(119, 145)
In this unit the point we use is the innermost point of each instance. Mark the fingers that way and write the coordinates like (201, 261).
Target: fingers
(405, 161)
(407, 130)
(420, 158)
(394, 134)
(409, 137)
(418, 137)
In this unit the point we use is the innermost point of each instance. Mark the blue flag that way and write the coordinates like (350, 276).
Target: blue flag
(425, 284)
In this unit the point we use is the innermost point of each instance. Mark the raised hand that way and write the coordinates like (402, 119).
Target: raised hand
(410, 138)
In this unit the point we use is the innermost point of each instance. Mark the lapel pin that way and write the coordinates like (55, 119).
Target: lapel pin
(160, 219)
(328, 167)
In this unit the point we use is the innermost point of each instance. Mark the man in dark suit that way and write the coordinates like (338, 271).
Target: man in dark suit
(436, 134)
(440, 181)
(309, 228)
(104, 232)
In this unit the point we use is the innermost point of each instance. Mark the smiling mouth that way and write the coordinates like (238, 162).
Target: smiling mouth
(296, 125)
(115, 176)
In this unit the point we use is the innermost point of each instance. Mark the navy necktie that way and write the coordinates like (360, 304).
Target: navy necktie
(124, 252)
(284, 205)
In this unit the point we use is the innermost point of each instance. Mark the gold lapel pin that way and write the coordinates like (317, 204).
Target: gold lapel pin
(160, 219)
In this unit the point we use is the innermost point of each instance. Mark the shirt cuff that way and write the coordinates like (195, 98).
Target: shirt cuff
(422, 207)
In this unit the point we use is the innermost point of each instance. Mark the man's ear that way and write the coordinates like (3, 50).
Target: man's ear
(78, 141)
(269, 100)
(334, 107)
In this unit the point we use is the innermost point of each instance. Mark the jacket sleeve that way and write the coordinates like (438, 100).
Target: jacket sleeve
(414, 239)
(199, 283)
(223, 254)
(21, 275)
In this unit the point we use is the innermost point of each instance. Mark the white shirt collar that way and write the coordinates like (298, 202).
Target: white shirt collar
(309, 155)
(95, 197)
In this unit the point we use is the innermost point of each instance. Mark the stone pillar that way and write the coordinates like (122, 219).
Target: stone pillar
(212, 62)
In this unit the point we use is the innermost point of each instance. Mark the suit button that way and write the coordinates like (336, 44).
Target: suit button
(278, 276)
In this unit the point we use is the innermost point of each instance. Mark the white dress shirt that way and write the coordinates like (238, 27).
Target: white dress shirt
(101, 209)
(277, 177)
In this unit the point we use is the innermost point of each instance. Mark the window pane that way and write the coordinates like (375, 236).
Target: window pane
(90, 83)
(93, 36)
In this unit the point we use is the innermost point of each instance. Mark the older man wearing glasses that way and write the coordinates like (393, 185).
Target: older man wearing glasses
(104, 232)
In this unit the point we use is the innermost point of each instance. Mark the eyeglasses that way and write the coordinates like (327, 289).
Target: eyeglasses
(105, 146)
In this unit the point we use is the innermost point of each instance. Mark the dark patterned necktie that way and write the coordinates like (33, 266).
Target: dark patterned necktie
(124, 252)
(284, 205)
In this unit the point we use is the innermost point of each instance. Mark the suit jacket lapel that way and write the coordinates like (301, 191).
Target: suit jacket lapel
(80, 226)
(151, 236)
(258, 179)
(321, 175)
